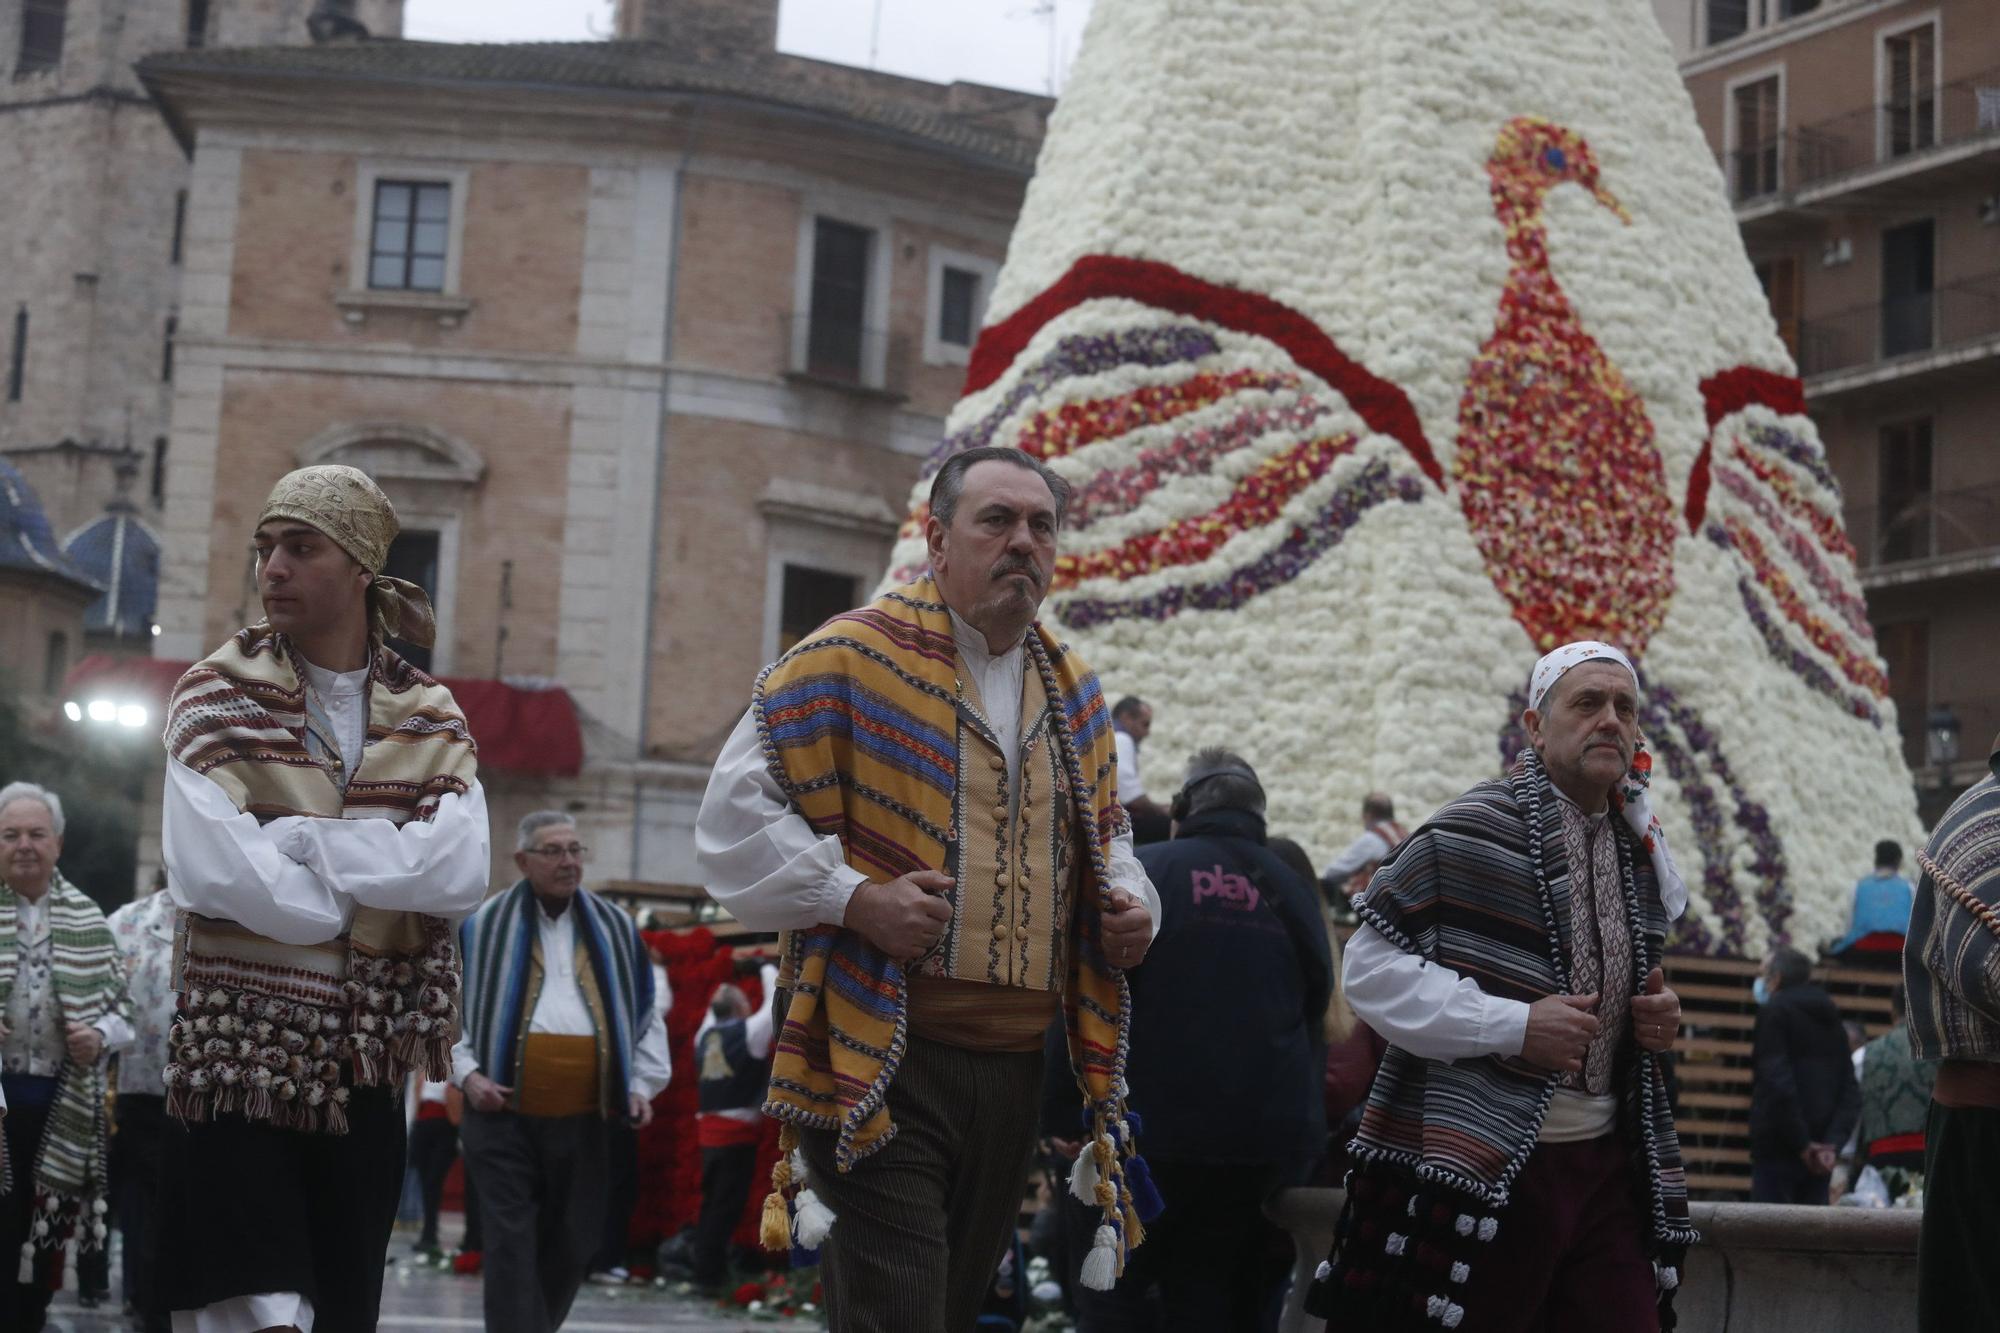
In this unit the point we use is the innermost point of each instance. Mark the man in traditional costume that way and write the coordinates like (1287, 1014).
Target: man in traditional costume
(1951, 971)
(923, 795)
(733, 1046)
(324, 830)
(62, 1009)
(565, 1032)
(1517, 1166)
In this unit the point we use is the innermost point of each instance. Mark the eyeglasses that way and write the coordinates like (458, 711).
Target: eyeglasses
(575, 849)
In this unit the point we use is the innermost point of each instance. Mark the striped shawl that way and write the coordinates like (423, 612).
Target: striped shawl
(68, 1173)
(276, 1031)
(1484, 888)
(1951, 956)
(859, 726)
(502, 983)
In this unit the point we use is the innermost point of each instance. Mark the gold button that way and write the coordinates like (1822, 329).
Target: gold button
(999, 879)
(1000, 931)
(1000, 813)
(1021, 885)
(1021, 933)
(996, 763)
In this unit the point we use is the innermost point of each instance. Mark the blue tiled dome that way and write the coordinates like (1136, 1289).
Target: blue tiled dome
(122, 556)
(25, 540)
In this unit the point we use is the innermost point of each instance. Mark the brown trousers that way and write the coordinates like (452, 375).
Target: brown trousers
(920, 1226)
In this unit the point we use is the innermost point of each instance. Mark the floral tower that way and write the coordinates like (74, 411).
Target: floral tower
(1388, 345)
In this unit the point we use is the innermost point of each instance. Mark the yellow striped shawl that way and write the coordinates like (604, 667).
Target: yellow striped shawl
(859, 727)
(385, 1001)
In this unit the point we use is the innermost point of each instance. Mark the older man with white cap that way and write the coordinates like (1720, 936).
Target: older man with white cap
(1517, 1166)
(324, 830)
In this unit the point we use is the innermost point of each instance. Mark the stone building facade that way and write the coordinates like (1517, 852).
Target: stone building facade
(1860, 141)
(646, 339)
(92, 238)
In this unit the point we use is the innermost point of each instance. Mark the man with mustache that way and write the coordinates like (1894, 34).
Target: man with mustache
(923, 796)
(1509, 953)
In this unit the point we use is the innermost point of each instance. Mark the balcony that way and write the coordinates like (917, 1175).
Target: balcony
(1946, 135)
(1943, 535)
(1953, 330)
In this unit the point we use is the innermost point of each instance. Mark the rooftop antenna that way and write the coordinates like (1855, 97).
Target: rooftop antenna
(875, 37)
(1046, 10)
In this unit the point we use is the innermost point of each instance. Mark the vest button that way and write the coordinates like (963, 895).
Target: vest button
(1000, 930)
(1000, 879)
(1000, 814)
(996, 763)
(1021, 933)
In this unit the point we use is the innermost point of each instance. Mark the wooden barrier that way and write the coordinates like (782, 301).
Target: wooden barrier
(1760, 1268)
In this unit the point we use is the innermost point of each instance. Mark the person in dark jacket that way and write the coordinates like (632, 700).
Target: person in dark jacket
(1804, 1101)
(1226, 1062)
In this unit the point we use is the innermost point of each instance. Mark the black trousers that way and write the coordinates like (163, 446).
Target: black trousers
(136, 1164)
(727, 1175)
(921, 1224)
(248, 1208)
(541, 1211)
(23, 1305)
(1211, 1262)
(621, 1196)
(433, 1148)
(1958, 1284)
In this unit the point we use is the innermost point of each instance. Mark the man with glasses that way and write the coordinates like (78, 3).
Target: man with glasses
(564, 1033)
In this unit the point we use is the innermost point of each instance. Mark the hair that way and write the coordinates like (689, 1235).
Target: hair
(1378, 807)
(729, 1001)
(1888, 854)
(1127, 706)
(1793, 968)
(29, 791)
(538, 821)
(1219, 779)
(949, 483)
(1340, 1019)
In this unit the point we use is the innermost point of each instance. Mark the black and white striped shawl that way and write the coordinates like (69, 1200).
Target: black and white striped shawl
(1473, 891)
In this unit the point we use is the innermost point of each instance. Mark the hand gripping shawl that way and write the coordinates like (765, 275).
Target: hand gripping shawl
(859, 726)
(1484, 889)
(498, 941)
(68, 1173)
(278, 1031)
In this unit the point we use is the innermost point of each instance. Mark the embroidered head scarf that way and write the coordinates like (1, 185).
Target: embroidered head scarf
(1630, 797)
(346, 505)
(68, 1173)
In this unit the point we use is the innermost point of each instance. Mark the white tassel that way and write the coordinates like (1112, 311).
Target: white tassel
(799, 1171)
(26, 1276)
(1460, 1272)
(811, 1220)
(1100, 1270)
(1083, 1175)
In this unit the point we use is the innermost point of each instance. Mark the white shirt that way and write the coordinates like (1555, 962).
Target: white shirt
(344, 695)
(765, 866)
(298, 880)
(1369, 847)
(560, 1011)
(1131, 787)
(757, 1037)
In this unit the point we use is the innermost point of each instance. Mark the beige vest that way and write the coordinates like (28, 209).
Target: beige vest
(995, 980)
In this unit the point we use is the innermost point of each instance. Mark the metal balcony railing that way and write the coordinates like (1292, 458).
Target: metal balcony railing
(1925, 527)
(1957, 112)
(1960, 312)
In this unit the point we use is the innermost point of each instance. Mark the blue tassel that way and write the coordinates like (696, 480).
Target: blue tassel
(1146, 1200)
(1138, 1125)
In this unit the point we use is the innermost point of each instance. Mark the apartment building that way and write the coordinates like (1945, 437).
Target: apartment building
(1860, 142)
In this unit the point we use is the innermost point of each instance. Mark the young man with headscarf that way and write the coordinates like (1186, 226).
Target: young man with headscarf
(62, 1009)
(1517, 1166)
(324, 829)
(923, 794)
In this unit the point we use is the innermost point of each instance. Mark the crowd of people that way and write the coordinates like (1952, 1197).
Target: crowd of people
(1002, 959)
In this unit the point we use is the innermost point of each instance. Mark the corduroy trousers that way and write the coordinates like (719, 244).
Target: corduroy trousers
(920, 1226)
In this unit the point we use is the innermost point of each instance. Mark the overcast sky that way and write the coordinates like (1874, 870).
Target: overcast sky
(1003, 42)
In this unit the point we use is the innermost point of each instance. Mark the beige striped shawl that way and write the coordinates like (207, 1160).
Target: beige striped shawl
(277, 1031)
